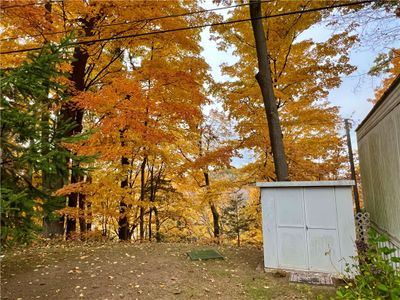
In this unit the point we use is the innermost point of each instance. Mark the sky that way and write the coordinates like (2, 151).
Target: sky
(351, 96)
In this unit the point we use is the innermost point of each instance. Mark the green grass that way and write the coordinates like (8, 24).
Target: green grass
(263, 288)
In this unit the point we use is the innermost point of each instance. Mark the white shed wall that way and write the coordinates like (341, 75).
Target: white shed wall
(309, 227)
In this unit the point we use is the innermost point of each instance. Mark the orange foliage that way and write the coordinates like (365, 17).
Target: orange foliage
(393, 73)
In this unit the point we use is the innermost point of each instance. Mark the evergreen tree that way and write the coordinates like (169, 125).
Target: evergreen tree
(33, 160)
(235, 218)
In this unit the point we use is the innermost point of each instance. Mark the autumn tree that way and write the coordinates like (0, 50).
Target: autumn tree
(139, 117)
(303, 71)
(214, 149)
(95, 64)
(378, 29)
(389, 65)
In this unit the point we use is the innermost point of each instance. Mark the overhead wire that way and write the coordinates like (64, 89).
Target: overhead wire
(138, 20)
(198, 26)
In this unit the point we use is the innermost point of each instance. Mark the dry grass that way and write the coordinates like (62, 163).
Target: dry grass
(143, 271)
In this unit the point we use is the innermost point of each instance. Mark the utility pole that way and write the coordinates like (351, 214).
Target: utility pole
(352, 168)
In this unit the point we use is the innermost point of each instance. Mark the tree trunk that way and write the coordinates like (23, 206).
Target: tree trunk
(265, 82)
(158, 234)
(214, 210)
(89, 216)
(150, 215)
(237, 223)
(123, 222)
(89, 209)
(215, 215)
(71, 113)
(142, 197)
(82, 218)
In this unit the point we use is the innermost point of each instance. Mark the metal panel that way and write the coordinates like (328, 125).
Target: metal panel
(322, 236)
(289, 207)
(292, 251)
(320, 208)
(269, 228)
(291, 228)
(324, 252)
(346, 226)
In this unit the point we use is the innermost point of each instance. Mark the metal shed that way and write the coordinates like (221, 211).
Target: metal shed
(308, 225)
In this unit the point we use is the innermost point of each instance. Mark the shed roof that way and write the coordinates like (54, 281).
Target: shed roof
(284, 184)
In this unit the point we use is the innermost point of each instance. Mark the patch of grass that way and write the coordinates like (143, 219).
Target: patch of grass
(220, 272)
(262, 288)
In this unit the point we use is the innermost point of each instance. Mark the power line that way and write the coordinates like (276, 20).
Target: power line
(140, 20)
(196, 26)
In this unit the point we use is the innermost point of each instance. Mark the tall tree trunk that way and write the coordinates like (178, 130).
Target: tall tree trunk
(264, 80)
(89, 216)
(150, 216)
(215, 215)
(142, 198)
(237, 224)
(82, 217)
(89, 209)
(71, 113)
(158, 234)
(123, 222)
(214, 210)
(153, 186)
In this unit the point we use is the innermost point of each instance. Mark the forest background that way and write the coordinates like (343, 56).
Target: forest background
(111, 131)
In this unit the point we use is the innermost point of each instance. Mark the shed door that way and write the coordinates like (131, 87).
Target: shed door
(291, 229)
(307, 236)
(322, 233)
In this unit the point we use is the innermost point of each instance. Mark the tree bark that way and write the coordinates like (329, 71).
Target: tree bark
(82, 217)
(123, 222)
(214, 210)
(142, 197)
(215, 215)
(265, 82)
(89, 209)
(150, 217)
(158, 234)
(71, 113)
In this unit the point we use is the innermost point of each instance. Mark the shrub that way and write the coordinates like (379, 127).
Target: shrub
(375, 276)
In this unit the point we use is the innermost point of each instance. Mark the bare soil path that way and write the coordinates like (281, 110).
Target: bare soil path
(143, 271)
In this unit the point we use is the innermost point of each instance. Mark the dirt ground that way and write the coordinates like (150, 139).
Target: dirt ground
(143, 271)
